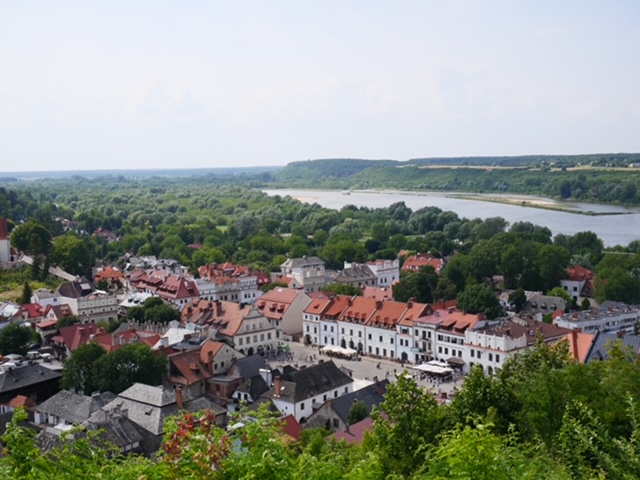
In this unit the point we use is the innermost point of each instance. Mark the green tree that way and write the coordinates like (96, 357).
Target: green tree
(127, 365)
(79, 370)
(67, 321)
(411, 422)
(559, 292)
(518, 298)
(586, 304)
(342, 289)
(25, 298)
(32, 238)
(357, 412)
(72, 254)
(161, 314)
(479, 299)
(15, 338)
(419, 285)
(270, 286)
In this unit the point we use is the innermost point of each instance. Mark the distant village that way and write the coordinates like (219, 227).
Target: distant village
(245, 338)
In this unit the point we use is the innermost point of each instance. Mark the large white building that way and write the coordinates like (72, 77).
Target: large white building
(609, 317)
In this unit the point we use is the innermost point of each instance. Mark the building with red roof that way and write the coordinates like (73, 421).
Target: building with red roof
(243, 327)
(415, 262)
(578, 281)
(285, 308)
(70, 338)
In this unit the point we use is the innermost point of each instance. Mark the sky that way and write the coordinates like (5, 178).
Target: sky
(206, 84)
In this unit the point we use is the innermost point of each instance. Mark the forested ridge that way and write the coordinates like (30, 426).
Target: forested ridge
(610, 178)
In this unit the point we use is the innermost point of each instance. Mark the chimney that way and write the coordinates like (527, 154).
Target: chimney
(277, 386)
(179, 398)
(347, 428)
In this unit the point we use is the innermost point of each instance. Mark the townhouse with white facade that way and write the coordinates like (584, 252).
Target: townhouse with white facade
(491, 343)
(329, 320)
(302, 392)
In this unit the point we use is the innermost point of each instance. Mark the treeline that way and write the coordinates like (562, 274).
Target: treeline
(197, 223)
(589, 184)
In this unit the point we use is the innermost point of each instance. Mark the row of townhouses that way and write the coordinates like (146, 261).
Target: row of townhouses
(414, 332)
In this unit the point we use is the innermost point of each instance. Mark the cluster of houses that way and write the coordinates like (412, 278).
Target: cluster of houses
(217, 353)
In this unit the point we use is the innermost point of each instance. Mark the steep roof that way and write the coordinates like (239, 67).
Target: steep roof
(187, 369)
(371, 395)
(291, 427)
(359, 309)
(314, 380)
(74, 407)
(355, 433)
(25, 376)
(249, 367)
(354, 273)
(578, 273)
(603, 341)
(79, 334)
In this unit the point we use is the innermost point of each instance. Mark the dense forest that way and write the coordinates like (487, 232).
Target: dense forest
(199, 220)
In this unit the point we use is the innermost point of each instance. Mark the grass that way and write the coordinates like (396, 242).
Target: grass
(12, 283)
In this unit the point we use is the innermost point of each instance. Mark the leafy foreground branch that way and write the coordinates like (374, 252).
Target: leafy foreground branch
(542, 417)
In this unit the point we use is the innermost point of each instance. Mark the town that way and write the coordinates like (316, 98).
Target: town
(306, 342)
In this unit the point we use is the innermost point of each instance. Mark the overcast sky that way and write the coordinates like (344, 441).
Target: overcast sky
(166, 84)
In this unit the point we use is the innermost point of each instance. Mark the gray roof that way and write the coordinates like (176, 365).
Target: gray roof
(150, 406)
(354, 273)
(254, 386)
(302, 262)
(371, 396)
(602, 344)
(26, 376)
(149, 395)
(545, 304)
(249, 367)
(315, 380)
(74, 407)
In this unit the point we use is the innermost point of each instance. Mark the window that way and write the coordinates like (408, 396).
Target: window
(240, 341)
(302, 406)
(380, 338)
(335, 394)
(439, 349)
(446, 351)
(346, 389)
(324, 397)
(391, 340)
(325, 328)
(343, 331)
(384, 352)
(336, 423)
(497, 358)
(473, 353)
(369, 336)
(351, 332)
(491, 357)
(359, 334)
(307, 328)
(269, 336)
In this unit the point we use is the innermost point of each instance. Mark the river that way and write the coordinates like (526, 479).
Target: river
(619, 227)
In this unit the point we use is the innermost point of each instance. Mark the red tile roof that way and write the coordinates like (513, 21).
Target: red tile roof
(186, 368)
(578, 273)
(33, 310)
(359, 310)
(291, 427)
(356, 432)
(416, 262)
(109, 273)
(79, 334)
(21, 401)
